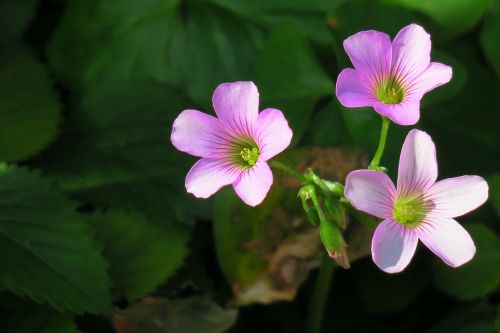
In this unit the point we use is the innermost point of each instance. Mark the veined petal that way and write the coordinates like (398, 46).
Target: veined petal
(370, 53)
(434, 76)
(448, 240)
(207, 176)
(405, 113)
(352, 90)
(393, 246)
(273, 133)
(254, 183)
(417, 164)
(411, 52)
(371, 192)
(237, 105)
(454, 197)
(198, 134)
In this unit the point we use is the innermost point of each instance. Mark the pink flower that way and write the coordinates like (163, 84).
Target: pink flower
(418, 208)
(390, 77)
(233, 147)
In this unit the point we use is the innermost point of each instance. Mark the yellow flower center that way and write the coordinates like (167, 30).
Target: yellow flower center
(410, 211)
(390, 91)
(250, 155)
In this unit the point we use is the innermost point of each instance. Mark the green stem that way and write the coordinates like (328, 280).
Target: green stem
(381, 143)
(283, 167)
(314, 320)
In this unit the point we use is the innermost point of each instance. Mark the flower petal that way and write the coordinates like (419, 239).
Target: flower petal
(352, 90)
(273, 133)
(448, 240)
(370, 53)
(434, 76)
(393, 246)
(207, 176)
(411, 52)
(254, 183)
(198, 134)
(371, 192)
(405, 113)
(417, 164)
(454, 197)
(237, 106)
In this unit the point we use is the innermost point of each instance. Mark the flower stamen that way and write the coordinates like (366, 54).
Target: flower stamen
(410, 211)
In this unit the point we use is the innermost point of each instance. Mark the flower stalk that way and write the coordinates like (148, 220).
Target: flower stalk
(374, 165)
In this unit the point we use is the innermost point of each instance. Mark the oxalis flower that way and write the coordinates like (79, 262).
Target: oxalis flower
(418, 208)
(233, 147)
(390, 77)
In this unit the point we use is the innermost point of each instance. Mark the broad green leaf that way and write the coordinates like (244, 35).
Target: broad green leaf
(289, 77)
(193, 45)
(383, 293)
(15, 16)
(141, 254)
(117, 152)
(46, 249)
(187, 315)
(327, 127)
(27, 317)
(490, 35)
(494, 183)
(29, 109)
(478, 277)
(456, 16)
(479, 320)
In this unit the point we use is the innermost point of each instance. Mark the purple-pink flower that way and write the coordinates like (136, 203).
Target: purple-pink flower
(233, 147)
(418, 208)
(390, 77)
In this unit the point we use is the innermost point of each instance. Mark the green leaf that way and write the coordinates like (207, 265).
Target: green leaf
(141, 254)
(449, 13)
(46, 249)
(478, 277)
(386, 293)
(290, 78)
(187, 315)
(117, 152)
(494, 183)
(327, 127)
(193, 45)
(29, 109)
(490, 35)
(15, 16)
(479, 320)
(28, 317)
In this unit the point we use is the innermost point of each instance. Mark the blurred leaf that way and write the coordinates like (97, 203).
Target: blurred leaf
(478, 277)
(188, 315)
(190, 44)
(497, 319)
(29, 109)
(46, 250)
(494, 183)
(327, 127)
(32, 318)
(454, 121)
(15, 16)
(470, 321)
(490, 35)
(117, 152)
(307, 16)
(289, 77)
(457, 16)
(383, 293)
(141, 254)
